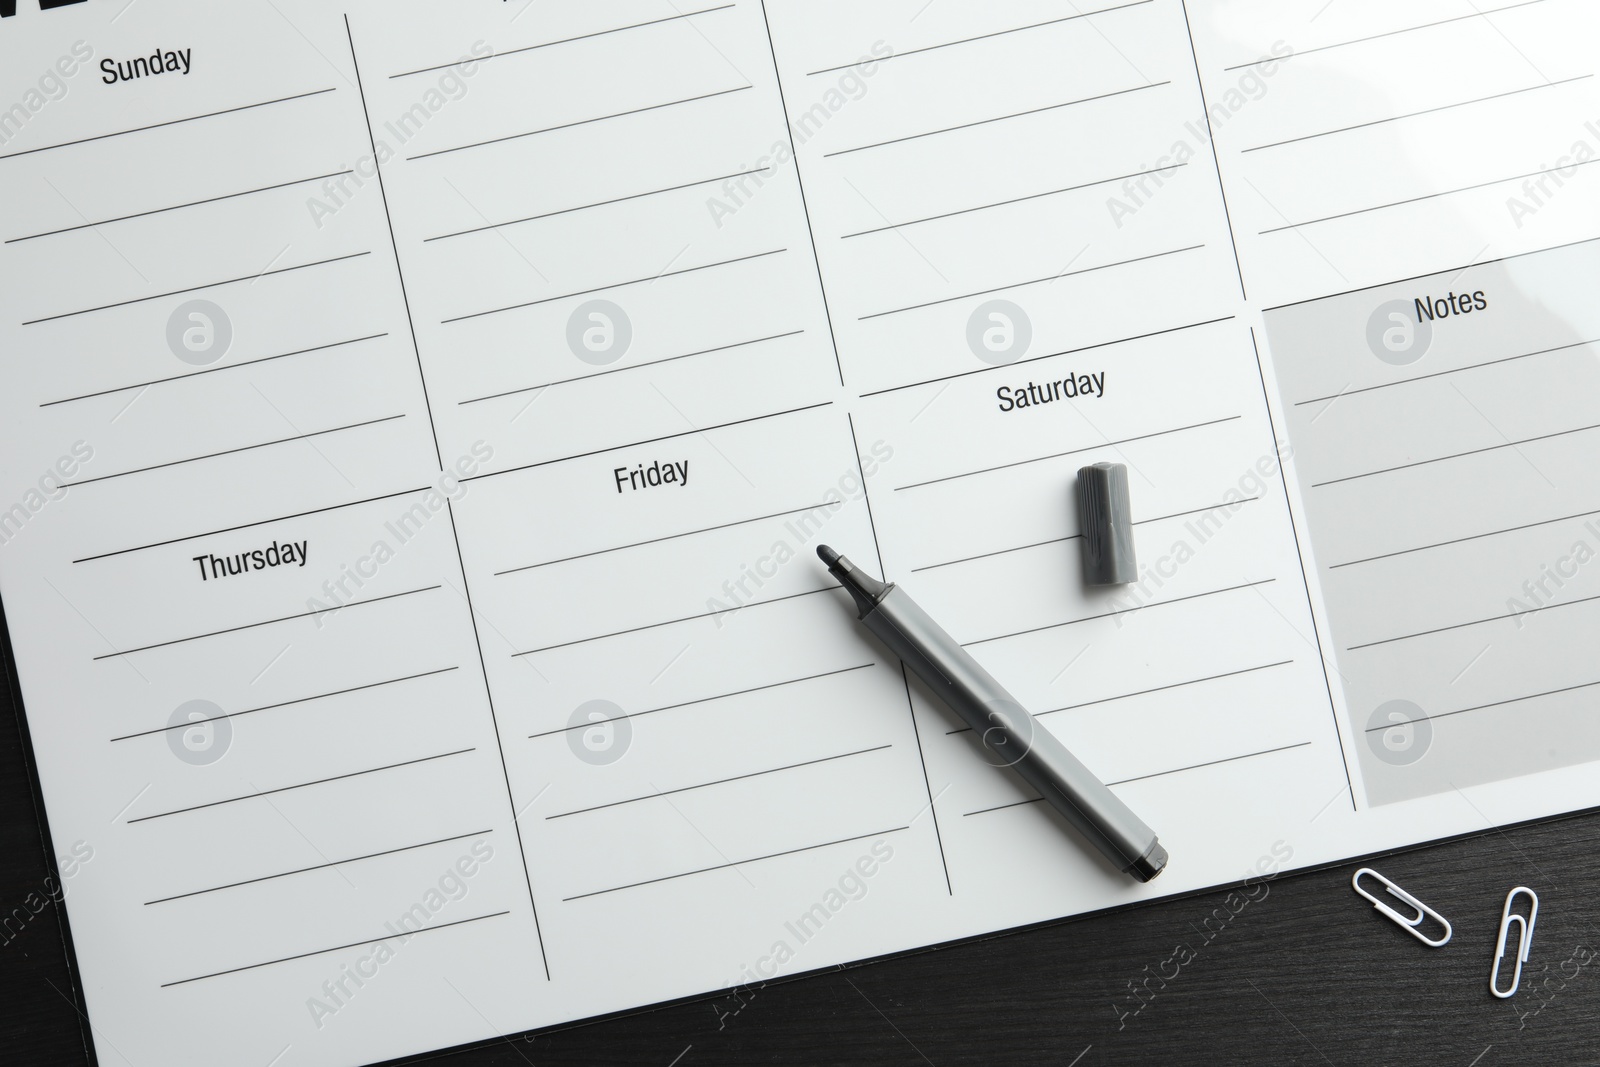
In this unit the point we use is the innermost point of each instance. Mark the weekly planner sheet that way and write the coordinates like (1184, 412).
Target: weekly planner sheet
(417, 425)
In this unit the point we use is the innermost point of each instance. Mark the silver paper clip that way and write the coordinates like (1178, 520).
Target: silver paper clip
(1524, 939)
(1411, 924)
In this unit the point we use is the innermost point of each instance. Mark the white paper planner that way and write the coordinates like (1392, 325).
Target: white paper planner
(417, 427)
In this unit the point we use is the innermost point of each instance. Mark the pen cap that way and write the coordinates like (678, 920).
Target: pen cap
(1107, 524)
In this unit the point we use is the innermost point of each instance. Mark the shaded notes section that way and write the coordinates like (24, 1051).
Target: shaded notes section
(1445, 430)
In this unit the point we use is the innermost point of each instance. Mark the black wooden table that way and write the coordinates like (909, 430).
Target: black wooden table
(1303, 973)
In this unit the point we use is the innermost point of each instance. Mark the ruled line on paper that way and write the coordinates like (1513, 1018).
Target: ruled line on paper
(719, 781)
(1050, 355)
(1414, 114)
(613, 285)
(1015, 199)
(1443, 373)
(569, 40)
(1479, 13)
(649, 441)
(598, 203)
(213, 370)
(1477, 622)
(197, 288)
(1455, 270)
(1146, 606)
(1158, 774)
(178, 207)
(579, 122)
(1078, 536)
(317, 867)
(1457, 455)
(1426, 196)
(1145, 692)
(1070, 452)
(987, 36)
(747, 605)
(1031, 281)
(996, 118)
(301, 785)
(706, 700)
(659, 540)
(267, 622)
(1491, 704)
(169, 122)
(1465, 539)
(735, 863)
(188, 723)
(335, 948)
(232, 451)
(249, 525)
(632, 366)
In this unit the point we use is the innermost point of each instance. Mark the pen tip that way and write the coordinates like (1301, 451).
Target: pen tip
(864, 589)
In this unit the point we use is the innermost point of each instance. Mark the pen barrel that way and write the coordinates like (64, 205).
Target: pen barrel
(1009, 732)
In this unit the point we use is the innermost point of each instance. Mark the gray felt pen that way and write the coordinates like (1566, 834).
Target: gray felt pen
(1002, 724)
